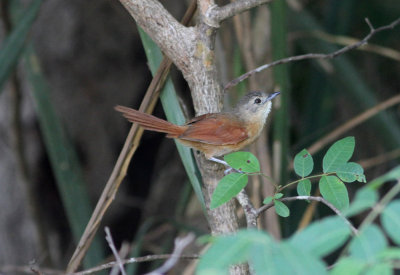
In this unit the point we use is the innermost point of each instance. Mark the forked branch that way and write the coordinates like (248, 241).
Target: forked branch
(334, 54)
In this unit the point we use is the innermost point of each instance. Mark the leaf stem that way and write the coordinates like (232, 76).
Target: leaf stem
(309, 177)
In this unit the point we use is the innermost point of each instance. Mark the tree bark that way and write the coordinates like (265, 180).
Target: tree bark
(192, 51)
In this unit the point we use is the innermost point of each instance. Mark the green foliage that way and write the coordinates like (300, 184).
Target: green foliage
(227, 188)
(348, 266)
(303, 163)
(230, 185)
(368, 244)
(364, 199)
(322, 237)
(304, 187)
(393, 174)
(243, 161)
(368, 252)
(334, 191)
(336, 169)
(391, 220)
(338, 154)
(227, 250)
(281, 209)
(14, 44)
(265, 255)
(350, 172)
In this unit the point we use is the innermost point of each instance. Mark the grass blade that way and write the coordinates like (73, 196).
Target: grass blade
(173, 113)
(14, 44)
(63, 159)
(281, 75)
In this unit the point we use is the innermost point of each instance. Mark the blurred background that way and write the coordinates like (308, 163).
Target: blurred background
(64, 65)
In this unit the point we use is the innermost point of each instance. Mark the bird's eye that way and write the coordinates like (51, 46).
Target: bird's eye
(257, 101)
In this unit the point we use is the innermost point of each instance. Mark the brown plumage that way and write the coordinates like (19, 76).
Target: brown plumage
(214, 134)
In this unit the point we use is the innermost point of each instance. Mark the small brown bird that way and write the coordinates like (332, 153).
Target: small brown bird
(214, 134)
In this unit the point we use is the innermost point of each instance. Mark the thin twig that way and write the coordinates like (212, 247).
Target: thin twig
(180, 244)
(379, 159)
(346, 40)
(142, 259)
(378, 208)
(28, 269)
(218, 14)
(249, 211)
(312, 198)
(121, 166)
(353, 123)
(48, 271)
(334, 54)
(115, 252)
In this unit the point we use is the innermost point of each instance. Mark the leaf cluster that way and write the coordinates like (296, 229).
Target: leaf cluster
(367, 252)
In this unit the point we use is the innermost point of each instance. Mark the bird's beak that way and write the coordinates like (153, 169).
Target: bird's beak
(271, 96)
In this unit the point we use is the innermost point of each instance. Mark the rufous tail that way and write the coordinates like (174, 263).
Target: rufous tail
(150, 122)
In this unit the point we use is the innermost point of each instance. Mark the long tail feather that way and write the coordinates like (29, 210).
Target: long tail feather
(150, 122)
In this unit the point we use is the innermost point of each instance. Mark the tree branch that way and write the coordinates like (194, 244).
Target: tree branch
(147, 258)
(334, 54)
(311, 198)
(174, 39)
(217, 14)
(180, 244)
(114, 251)
(249, 211)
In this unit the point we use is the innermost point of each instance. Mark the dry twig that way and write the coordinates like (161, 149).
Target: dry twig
(334, 54)
(180, 244)
(115, 253)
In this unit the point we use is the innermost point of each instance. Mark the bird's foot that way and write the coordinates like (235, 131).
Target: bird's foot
(227, 171)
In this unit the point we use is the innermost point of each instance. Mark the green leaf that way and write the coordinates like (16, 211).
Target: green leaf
(379, 268)
(243, 161)
(281, 209)
(390, 253)
(278, 196)
(14, 44)
(304, 187)
(231, 249)
(393, 174)
(338, 154)
(303, 163)
(322, 237)
(334, 191)
(63, 157)
(223, 252)
(228, 187)
(264, 254)
(283, 258)
(348, 266)
(351, 171)
(268, 200)
(368, 244)
(390, 219)
(364, 199)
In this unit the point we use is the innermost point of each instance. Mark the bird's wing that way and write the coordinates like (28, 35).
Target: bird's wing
(217, 129)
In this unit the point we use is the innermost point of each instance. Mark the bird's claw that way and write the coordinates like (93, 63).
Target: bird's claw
(230, 168)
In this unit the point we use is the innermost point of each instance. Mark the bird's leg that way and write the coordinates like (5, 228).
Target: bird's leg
(227, 171)
(219, 161)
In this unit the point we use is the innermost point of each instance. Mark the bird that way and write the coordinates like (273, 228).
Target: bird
(214, 134)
